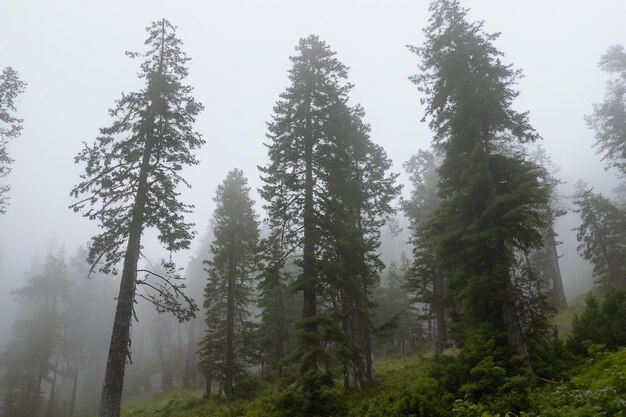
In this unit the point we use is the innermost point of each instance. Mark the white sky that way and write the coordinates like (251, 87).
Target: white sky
(71, 54)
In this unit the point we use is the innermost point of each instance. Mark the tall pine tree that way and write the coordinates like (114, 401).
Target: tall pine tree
(30, 362)
(602, 235)
(358, 202)
(294, 189)
(228, 344)
(491, 195)
(328, 191)
(426, 276)
(131, 175)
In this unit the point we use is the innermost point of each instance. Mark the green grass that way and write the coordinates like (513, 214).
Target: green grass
(187, 403)
(598, 387)
(393, 371)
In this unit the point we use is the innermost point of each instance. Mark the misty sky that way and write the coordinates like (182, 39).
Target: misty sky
(71, 54)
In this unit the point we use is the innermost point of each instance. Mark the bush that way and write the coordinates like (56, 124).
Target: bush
(312, 396)
(600, 323)
(483, 376)
(248, 387)
(405, 393)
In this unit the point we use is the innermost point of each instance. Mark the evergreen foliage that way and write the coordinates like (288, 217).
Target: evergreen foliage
(10, 126)
(294, 189)
(328, 192)
(600, 323)
(398, 323)
(602, 235)
(608, 119)
(227, 348)
(129, 184)
(32, 358)
(426, 280)
(484, 273)
(279, 306)
(492, 196)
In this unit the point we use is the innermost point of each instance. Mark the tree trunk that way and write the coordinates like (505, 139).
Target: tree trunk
(367, 346)
(280, 337)
(50, 410)
(514, 328)
(346, 321)
(166, 379)
(229, 373)
(557, 279)
(207, 386)
(309, 338)
(441, 328)
(119, 348)
(190, 356)
(74, 388)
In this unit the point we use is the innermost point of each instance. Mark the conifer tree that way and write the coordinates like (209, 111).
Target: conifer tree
(328, 191)
(426, 276)
(31, 360)
(228, 344)
(131, 175)
(491, 195)
(277, 304)
(545, 260)
(294, 189)
(608, 119)
(398, 320)
(358, 202)
(10, 125)
(602, 235)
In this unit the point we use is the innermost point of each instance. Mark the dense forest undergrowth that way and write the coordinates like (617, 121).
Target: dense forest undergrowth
(588, 367)
(596, 387)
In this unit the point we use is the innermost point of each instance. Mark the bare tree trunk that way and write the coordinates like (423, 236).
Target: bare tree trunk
(207, 386)
(74, 388)
(513, 327)
(120, 337)
(50, 410)
(441, 328)
(367, 345)
(280, 338)
(190, 355)
(346, 319)
(557, 279)
(166, 379)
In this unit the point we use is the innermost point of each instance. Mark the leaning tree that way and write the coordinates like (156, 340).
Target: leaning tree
(132, 172)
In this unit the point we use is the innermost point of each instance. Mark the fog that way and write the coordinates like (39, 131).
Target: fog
(71, 54)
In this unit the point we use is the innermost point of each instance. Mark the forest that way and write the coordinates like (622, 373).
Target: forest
(348, 287)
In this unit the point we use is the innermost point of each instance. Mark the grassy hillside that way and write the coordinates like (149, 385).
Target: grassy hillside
(596, 388)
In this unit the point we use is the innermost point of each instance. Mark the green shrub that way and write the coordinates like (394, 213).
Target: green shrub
(483, 376)
(405, 393)
(312, 396)
(247, 387)
(600, 323)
